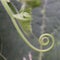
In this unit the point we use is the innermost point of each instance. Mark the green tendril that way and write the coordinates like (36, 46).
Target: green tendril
(47, 37)
(41, 38)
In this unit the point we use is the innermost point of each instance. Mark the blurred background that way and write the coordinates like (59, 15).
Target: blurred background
(13, 47)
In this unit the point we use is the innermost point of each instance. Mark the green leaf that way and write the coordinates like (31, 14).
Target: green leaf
(24, 20)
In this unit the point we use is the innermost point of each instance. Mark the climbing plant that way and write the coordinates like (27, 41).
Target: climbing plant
(24, 18)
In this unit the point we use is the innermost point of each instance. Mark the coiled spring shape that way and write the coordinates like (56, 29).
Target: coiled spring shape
(24, 16)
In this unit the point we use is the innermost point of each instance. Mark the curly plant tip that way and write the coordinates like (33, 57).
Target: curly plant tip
(44, 40)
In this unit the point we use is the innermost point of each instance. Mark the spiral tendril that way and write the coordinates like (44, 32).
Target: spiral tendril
(44, 40)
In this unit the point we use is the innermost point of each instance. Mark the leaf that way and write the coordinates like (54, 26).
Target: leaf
(24, 20)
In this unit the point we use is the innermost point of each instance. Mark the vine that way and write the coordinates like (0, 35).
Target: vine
(25, 16)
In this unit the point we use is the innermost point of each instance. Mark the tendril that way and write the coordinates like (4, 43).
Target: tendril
(44, 40)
